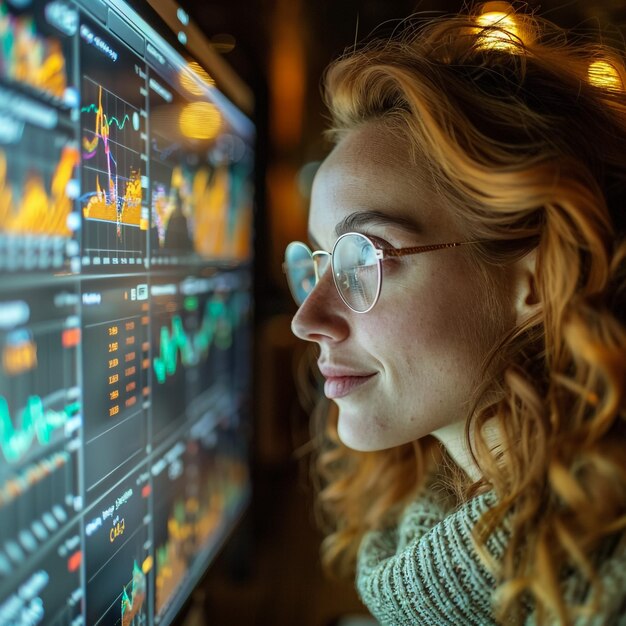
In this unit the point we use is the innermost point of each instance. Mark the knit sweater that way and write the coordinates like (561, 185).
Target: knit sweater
(426, 572)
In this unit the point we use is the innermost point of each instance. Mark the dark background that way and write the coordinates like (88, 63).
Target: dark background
(269, 572)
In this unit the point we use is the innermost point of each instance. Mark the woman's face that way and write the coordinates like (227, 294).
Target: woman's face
(408, 367)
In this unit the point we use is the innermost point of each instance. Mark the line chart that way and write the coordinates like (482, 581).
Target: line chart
(119, 200)
(113, 173)
(217, 326)
(35, 423)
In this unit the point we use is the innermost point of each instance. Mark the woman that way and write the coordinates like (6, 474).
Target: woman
(471, 324)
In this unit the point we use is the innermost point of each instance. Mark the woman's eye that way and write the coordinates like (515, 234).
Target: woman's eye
(379, 242)
(367, 254)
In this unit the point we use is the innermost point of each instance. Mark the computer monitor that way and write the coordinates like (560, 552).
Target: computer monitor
(126, 208)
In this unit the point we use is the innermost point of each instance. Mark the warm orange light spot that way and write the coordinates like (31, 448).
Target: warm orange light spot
(194, 78)
(502, 28)
(603, 74)
(19, 358)
(286, 75)
(200, 120)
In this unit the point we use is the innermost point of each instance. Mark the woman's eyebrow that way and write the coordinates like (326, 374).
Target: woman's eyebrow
(359, 219)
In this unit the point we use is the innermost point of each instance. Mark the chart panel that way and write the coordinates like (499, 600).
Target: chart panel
(115, 373)
(199, 212)
(202, 483)
(195, 322)
(125, 315)
(171, 226)
(201, 203)
(113, 149)
(118, 558)
(51, 592)
(39, 154)
(222, 205)
(40, 420)
(174, 480)
(36, 50)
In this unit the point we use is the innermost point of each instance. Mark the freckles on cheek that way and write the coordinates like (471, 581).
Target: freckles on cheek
(443, 323)
(380, 425)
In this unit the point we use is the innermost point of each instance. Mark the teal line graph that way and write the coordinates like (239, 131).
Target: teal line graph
(35, 422)
(218, 322)
(93, 108)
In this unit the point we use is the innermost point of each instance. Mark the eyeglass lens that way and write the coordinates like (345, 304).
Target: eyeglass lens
(300, 271)
(355, 270)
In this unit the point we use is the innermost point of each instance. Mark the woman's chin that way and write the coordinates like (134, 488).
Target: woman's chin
(353, 435)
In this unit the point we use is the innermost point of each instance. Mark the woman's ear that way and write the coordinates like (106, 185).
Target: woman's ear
(525, 293)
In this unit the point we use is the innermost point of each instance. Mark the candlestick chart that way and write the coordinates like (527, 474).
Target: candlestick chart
(171, 201)
(121, 586)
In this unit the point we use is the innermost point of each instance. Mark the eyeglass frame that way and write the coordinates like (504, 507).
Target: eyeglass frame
(381, 255)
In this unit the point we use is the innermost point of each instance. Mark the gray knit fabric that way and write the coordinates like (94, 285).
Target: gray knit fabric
(425, 571)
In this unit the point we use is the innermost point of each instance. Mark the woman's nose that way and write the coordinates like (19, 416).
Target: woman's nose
(323, 315)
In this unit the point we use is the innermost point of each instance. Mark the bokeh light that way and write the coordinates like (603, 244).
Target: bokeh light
(200, 120)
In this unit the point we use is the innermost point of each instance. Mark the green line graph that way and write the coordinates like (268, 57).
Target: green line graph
(218, 322)
(108, 120)
(35, 422)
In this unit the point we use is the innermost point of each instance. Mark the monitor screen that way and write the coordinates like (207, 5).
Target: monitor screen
(125, 314)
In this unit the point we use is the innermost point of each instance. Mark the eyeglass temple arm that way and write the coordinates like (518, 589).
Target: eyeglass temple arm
(417, 249)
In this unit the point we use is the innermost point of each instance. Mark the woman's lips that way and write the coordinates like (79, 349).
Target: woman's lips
(340, 386)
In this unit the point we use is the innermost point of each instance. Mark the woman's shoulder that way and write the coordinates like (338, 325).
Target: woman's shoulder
(426, 568)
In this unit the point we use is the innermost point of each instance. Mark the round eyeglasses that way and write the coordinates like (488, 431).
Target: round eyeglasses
(356, 263)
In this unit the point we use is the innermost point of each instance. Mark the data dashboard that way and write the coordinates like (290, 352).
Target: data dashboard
(126, 215)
